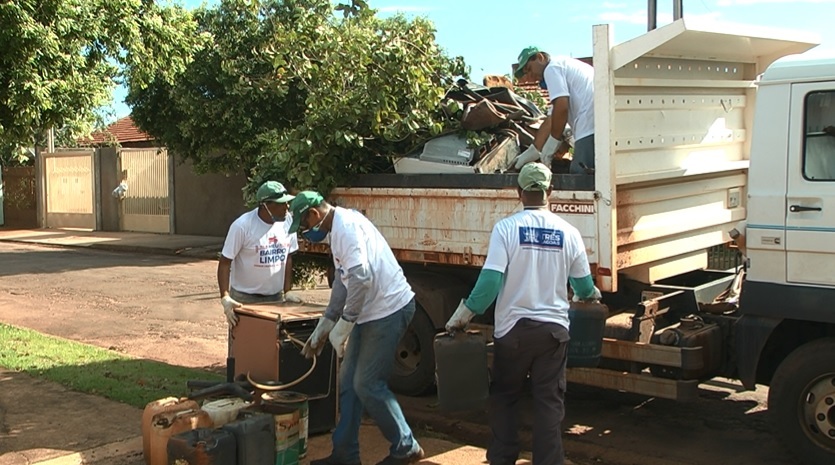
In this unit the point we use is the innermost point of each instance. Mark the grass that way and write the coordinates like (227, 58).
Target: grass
(93, 370)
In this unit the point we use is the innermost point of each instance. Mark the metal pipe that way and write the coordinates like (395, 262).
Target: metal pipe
(678, 9)
(652, 14)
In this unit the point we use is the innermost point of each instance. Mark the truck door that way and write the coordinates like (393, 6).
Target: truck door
(810, 200)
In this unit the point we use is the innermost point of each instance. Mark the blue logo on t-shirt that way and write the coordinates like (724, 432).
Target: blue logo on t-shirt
(540, 238)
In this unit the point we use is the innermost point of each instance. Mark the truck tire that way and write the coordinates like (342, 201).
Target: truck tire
(414, 364)
(801, 402)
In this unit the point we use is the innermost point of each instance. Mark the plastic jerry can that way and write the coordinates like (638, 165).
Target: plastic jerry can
(587, 322)
(223, 411)
(167, 424)
(202, 446)
(691, 332)
(165, 405)
(461, 370)
(254, 434)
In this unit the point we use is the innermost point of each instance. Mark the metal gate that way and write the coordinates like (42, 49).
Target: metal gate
(146, 206)
(69, 189)
(18, 197)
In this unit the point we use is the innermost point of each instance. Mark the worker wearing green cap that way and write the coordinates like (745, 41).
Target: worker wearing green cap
(370, 308)
(531, 258)
(255, 265)
(570, 85)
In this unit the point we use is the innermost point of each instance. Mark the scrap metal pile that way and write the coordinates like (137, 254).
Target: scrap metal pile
(502, 122)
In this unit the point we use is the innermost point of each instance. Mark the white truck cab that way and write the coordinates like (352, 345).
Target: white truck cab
(786, 332)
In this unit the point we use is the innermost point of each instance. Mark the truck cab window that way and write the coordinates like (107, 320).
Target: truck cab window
(819, 147)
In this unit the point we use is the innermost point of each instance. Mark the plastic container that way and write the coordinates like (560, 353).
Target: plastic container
(167, 424)
(588, 320)
(223, 411)
(254, 434)
(202, 446)
(286, 419)
(461, 370)
(165, 405)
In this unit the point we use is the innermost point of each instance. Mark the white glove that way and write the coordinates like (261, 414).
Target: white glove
(460, 319)
(596, 296)
(229, 306)
(292, 298)
(339, 336)
(529, 155)
(548, 150)
(316, 342)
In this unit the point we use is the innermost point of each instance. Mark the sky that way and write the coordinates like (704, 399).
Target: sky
(490, 33)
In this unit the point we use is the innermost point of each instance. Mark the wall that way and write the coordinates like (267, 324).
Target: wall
(205, 205)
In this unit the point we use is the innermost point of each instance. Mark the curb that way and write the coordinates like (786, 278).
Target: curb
(203, 252)
(124, 448)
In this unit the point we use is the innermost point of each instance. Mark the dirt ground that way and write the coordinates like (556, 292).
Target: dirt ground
(166, 308)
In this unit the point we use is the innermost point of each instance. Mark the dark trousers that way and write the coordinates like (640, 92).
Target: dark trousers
(538, 349)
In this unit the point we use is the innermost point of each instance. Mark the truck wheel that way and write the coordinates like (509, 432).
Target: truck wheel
(414, 363)
(801, 402)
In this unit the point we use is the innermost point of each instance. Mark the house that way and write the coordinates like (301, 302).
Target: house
(123, 132)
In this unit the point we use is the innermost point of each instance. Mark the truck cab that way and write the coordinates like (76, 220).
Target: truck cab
(786, 331)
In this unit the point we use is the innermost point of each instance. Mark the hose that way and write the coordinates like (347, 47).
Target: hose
(271, 388)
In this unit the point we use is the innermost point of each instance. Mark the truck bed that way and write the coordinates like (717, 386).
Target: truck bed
(673, 116)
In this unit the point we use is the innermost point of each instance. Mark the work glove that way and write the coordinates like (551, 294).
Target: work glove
(548, 150)
(596, 296)
(316, 342)
(529, 155)
(292, 298)
(460, 319)
(339, 336)
(229, 306)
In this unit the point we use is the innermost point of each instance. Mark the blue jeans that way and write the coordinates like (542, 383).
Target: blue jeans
(363, 382)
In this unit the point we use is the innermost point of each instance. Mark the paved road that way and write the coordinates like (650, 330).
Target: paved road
(166, 308)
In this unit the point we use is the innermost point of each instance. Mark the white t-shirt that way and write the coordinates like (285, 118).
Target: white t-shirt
(259, 252)
(354, 241)
(537, 251)
(569, 77)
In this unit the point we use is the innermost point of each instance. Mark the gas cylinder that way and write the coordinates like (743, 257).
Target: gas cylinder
(461, 370)
(587, 321)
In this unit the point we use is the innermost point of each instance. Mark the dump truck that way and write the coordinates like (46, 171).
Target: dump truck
(700, 131)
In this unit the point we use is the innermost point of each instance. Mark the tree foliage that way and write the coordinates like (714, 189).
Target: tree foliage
(61, 59)
(289, 90)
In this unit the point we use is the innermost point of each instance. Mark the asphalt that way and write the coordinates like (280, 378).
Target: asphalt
(77, 428)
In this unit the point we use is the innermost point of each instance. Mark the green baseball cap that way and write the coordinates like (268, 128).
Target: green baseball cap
(526, 54)
(272, 191)
(534, 177)
(304, 201)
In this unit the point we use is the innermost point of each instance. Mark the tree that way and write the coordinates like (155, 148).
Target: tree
(61, 59)
(285, 89)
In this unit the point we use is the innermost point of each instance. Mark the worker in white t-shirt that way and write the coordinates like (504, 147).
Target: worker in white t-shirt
(255, 264)
(570, 85)
(532, 257)
(373, 303)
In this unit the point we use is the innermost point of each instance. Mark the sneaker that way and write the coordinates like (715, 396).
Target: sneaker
(329, 460)
(412, 458)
